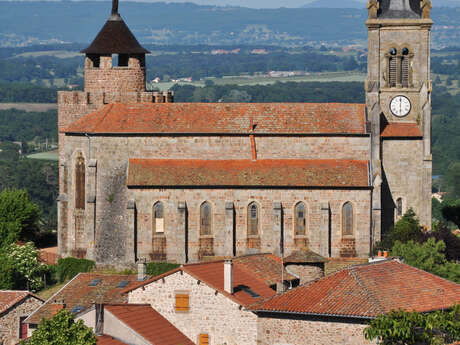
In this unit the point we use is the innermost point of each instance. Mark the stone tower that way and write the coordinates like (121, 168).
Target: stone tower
(114, 72)
(398, 98)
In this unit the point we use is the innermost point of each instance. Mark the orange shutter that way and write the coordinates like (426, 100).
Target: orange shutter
(204, 339)
(182, 302)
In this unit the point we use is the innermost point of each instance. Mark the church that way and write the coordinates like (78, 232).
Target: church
(143, 177)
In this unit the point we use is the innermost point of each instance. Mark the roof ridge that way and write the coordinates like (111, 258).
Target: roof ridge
(366, 289)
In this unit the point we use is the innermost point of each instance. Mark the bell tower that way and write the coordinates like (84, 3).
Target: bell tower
(398, 97)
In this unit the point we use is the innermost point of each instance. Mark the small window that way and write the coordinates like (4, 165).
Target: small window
(253, 219)
(203, 339)
(347, 219)
(399, 207)
(95, 60)
(182, 302)
(23, 329)
(80, 182)
(205, 218)
(123, 60)
(158, 218)
(300, 219)
(94, 282)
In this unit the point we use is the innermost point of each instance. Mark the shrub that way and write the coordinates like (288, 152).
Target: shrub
(157, 268)
(69, 267)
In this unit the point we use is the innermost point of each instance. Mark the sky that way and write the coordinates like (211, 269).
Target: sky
(248, 3)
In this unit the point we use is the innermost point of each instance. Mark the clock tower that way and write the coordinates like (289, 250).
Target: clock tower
(398, 98)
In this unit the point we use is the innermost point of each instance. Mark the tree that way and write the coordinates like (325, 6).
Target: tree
(18, 216)
(428, 256)
(61, 329)
(406, 229)
(451, 211)
(410, 328)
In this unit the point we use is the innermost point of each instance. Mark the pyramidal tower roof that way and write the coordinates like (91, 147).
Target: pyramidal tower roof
(115, 37)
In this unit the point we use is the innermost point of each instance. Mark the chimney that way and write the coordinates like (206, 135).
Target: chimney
(228, 276)
(141, 270)
(99, 327)
(56, 307)
(280, 287)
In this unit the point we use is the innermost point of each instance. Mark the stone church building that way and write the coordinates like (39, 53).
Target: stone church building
(144, 177)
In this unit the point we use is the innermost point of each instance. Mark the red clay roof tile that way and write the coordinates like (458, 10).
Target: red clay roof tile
(224, 118)
(398, 129)
(8, 298)
(78, 293)
(108, 340)
(237, 173)
(368, 291)
(149, 324)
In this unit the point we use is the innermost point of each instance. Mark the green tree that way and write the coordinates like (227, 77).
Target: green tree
(451, 211)
(406, 229)
(411, 328)
(18, 216)
(61, 329)
(428, 256)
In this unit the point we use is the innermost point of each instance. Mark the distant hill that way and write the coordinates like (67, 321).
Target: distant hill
(335, 4)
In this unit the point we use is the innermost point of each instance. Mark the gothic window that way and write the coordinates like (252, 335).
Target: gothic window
(253, 219)
(158, 224)
(205, 218)
(347, 219)
(399, 207)
(80, 182)
(300, 219)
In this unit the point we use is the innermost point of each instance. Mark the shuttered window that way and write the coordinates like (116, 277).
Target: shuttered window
(182, 302)
(80, 182)
(393, 71)
(203, 339)
(405, 71)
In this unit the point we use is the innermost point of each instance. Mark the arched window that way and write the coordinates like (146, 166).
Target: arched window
(80, 182)
(158, 221)
(399, 207)
(347, 219)
(300, 219)
(399, 71)
(253, 219)
(206, 218)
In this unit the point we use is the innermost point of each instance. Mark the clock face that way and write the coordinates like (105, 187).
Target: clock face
(400, 106)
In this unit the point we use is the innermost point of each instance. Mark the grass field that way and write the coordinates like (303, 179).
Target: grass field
(261, 80)
(49, 156)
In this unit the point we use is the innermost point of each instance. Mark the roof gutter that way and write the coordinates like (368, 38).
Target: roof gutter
(312, 314)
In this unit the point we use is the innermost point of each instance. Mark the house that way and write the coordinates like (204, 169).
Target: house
(336, 309)
(81, 293)
(15, 307)
(136, 324)
(208, 301)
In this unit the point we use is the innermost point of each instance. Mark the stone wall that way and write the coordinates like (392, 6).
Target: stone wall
(9, 320)
(286, 331)
(210, 312)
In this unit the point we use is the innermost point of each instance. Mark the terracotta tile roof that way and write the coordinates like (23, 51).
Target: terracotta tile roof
(108, 340)
(237, 173)
(77, 292)
(224, 118)
(256, 272)
(401, 129)
(149, 324)
(368, 291)
(304, 256)
(8, 298)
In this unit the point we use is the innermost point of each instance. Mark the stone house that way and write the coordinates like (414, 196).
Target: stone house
(134, 324)
(80, 294)
(336, 309)
(15, 307)
(144, 177)
(208, 307)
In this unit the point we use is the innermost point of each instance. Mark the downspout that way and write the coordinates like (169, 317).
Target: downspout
(89, 146)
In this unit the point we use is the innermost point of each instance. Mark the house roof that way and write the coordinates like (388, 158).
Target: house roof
(115, 38)
(223, 118)
(237, 173)
(401, 129)
(149, 324)
(251, 273)
(366, 291)
(9, 298)
(304, 256)
(78, 293)
(108, 340)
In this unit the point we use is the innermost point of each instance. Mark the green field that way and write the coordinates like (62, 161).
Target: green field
(49, 156)
(261, 80)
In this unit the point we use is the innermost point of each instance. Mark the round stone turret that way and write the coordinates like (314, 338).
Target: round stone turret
(115, 61)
